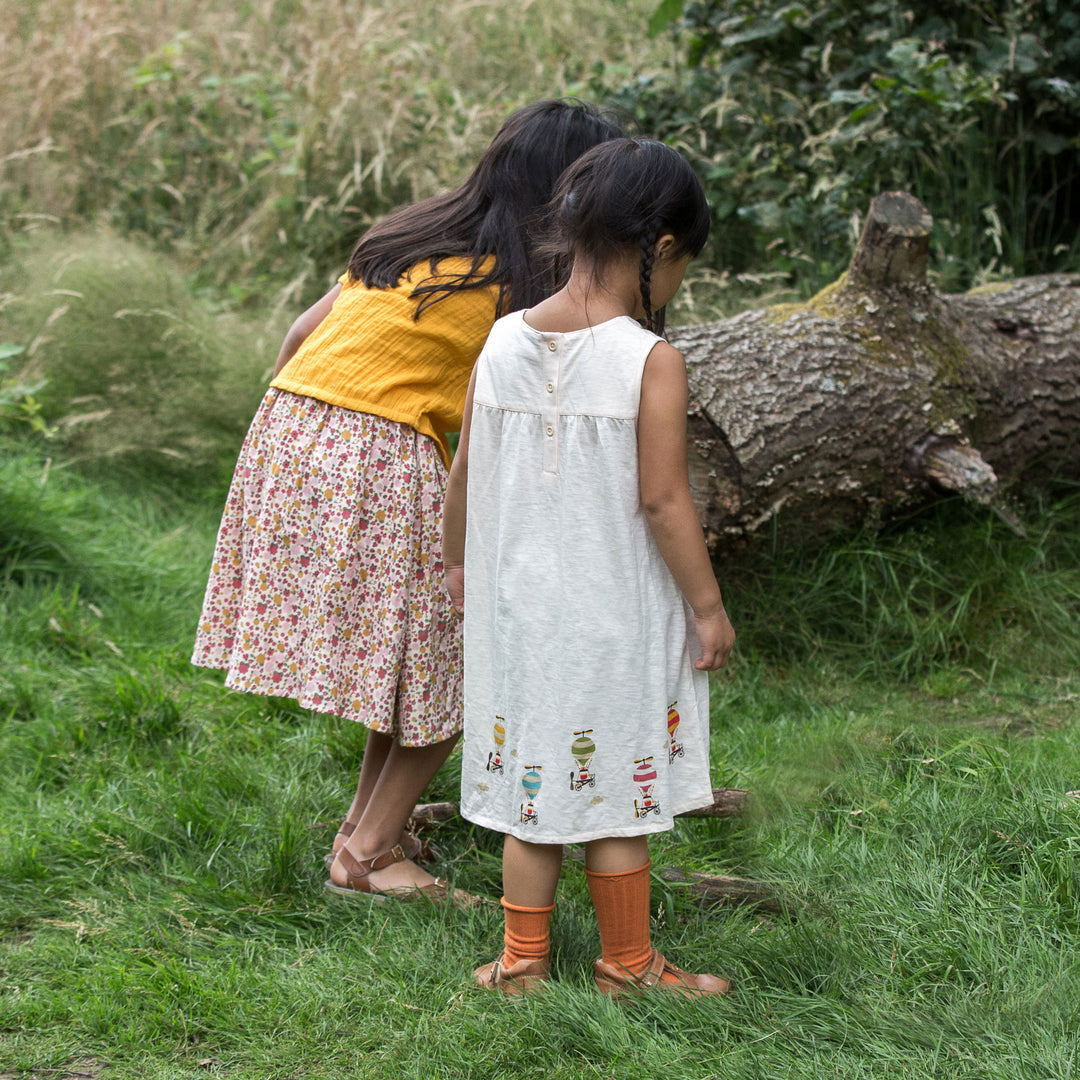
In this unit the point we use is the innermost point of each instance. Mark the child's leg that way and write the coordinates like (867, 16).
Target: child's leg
(530, 878)
(405, 773)
(618, 872)
(531, 872)
(376, 750)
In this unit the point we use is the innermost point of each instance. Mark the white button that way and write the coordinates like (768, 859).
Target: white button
(551, 388)
(550, 430)
(552, 346)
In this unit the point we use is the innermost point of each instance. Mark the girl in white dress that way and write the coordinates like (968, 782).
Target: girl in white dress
(592, 615)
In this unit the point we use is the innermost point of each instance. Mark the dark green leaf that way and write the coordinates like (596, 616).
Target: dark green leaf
(664, 16)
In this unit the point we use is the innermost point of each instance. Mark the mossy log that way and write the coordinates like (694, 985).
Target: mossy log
(881, 391)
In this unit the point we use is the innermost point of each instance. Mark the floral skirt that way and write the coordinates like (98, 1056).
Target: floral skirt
(327, 579)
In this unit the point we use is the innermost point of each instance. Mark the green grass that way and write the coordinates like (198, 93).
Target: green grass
(161, 910)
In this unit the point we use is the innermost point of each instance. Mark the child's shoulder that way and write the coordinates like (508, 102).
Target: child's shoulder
(665, 372)
(664, 354)
(512, 325)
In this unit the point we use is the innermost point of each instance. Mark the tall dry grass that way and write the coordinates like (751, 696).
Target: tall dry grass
(134, 373)
(258, 139)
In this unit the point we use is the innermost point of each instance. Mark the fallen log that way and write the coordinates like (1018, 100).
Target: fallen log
(881, 392)
(727, 802)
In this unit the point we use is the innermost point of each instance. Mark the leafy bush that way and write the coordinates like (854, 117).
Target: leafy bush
(798, 113)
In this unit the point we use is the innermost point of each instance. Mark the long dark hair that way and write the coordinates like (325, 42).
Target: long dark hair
(493, 213)
(623, 196)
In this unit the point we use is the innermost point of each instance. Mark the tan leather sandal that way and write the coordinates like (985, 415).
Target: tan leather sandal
(344, 832)
(358, 885)
(524, 977)
(617, 981)
(420, 851)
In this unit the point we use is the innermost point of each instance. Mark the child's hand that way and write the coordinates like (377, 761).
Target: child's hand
(716, 636)
(454, 576)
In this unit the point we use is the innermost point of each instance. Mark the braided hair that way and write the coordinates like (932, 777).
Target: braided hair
(622, 196)
(647, 244)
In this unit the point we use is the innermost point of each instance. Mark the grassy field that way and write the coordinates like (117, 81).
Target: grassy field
(161, 839)
(904, 705)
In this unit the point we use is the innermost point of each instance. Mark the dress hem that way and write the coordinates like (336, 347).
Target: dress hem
(525, 835)
(306, 703)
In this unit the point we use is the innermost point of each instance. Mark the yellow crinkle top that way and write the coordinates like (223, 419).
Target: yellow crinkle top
(369, 354)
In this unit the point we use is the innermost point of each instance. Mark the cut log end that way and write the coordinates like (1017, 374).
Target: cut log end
(955, 466)
(895, 243)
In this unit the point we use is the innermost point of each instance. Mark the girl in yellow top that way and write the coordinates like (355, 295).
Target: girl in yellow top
(326, 584)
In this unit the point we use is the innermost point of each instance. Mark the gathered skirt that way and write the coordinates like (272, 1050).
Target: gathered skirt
(327, 580)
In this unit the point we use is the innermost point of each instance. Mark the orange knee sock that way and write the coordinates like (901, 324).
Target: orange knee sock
(622, 914)
(528, 933)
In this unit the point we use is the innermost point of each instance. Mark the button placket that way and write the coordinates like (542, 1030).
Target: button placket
(549, 410)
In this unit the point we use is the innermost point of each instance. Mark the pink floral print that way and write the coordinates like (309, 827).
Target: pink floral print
(326, 584)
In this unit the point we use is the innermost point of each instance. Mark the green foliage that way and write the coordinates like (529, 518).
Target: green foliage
(123, 364)
(256, 141)
(797, 114)
(247, 145)
(17, 401)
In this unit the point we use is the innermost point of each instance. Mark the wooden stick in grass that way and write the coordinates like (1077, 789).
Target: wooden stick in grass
(717, 889)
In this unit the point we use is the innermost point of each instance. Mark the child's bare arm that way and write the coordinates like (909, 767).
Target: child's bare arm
(666, 501)
(454, 511)
(303, 326)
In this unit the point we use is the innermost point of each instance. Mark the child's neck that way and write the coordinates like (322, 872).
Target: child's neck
(589, 298)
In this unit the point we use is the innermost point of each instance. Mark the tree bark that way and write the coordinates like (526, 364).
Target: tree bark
(881, 391)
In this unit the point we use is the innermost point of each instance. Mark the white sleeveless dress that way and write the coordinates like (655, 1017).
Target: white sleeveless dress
(584, 715)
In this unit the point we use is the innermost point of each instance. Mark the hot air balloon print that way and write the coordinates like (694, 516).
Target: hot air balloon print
(675, 749)
(531, 782)
(495, 762)
(582, 750)
(645, 778)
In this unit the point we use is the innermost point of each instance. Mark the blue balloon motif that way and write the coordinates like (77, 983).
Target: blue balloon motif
(531, 782)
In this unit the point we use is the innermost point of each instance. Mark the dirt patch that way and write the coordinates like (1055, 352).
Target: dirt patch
(1010, 725)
